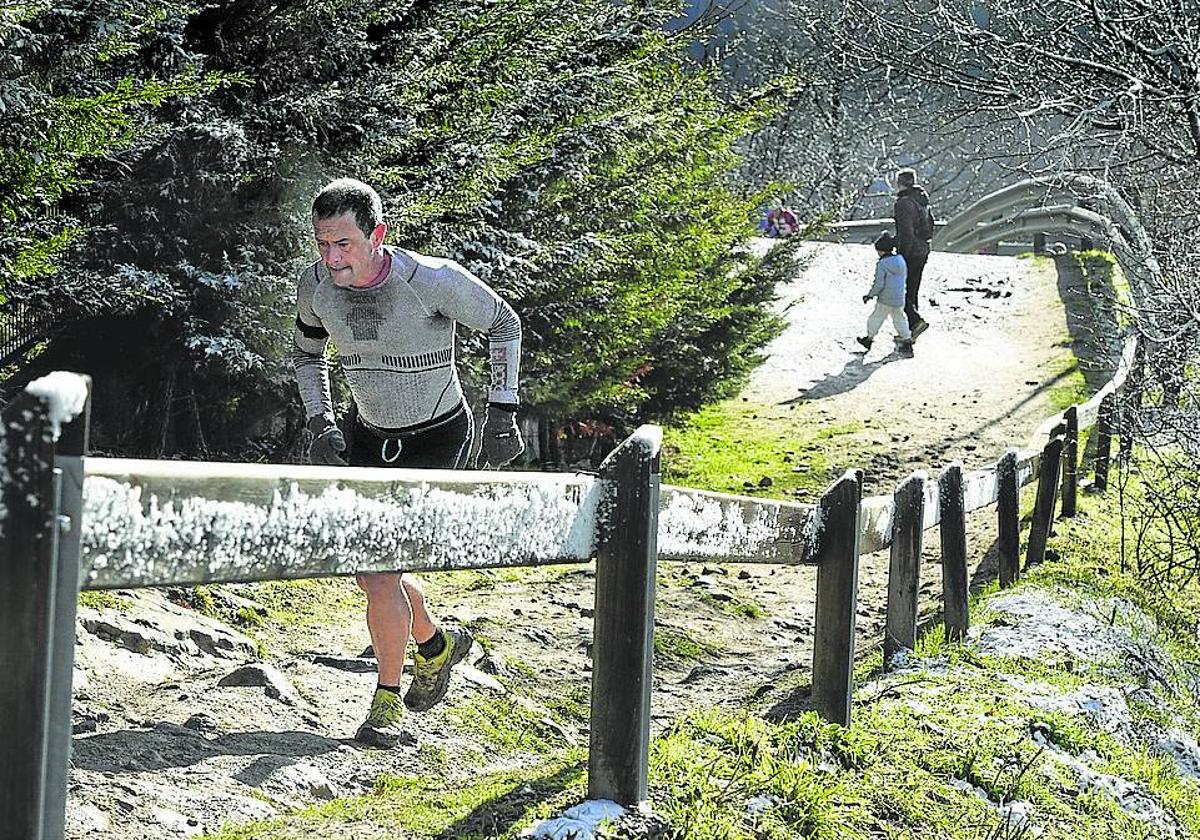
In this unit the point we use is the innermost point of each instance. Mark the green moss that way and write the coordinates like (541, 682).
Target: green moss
(103, 600)
(1067, 384)
(738, 606)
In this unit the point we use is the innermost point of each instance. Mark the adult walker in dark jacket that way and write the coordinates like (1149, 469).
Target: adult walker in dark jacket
(914, 229)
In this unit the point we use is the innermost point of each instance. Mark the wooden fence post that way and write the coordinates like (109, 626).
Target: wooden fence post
(1070, 463)
(837, 597)
(1104, 430)
(28, 546)
(70, 450)
(1043, 508)
(1039, 243)
(904, 574)
(1008, 543)
(954, 551)
(623, 637)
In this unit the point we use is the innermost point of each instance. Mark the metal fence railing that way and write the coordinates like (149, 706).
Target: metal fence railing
(21, 327)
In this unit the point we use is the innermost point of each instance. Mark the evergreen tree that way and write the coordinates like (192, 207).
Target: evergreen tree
(557, 149)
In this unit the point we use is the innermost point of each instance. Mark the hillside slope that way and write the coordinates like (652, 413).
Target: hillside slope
(164, 750)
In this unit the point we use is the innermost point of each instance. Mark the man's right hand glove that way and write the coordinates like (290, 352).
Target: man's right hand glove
(328, 444)
(501, 436)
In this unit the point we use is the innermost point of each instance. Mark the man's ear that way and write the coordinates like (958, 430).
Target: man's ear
(378, 235)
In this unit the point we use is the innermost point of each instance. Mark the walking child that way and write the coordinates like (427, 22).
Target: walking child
(891, 274)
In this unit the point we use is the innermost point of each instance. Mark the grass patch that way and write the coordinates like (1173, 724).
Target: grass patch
(677, 645)
(773, 450)
(509, 725)
(1069, 386)
(920, 760)
(102, 599)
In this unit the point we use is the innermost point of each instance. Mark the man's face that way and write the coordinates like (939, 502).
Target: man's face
(346, 251)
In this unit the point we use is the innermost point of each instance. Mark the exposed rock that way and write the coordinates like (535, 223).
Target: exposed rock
(305, 781)
(87, 818)
(268, 677)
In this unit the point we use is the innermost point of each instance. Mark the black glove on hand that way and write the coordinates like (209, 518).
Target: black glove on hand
(328, 444)
(501, 437)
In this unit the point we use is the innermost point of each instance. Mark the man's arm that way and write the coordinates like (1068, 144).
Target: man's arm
(310, 339)
(462, 297)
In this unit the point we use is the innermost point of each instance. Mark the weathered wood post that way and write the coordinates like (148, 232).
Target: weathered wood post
(904, 573)
(1104, 430)
(1070, 462)
(70, 450)
(953, 531)
(623, 638)
(837, 597)
(1039, 243)
(28, 547)
(1008, 542)
(1043, 508)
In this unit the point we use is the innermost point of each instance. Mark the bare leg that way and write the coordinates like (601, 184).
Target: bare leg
(422, 622)
(390, 622)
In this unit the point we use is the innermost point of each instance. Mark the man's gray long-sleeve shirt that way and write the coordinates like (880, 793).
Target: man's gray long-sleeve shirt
(395, 340)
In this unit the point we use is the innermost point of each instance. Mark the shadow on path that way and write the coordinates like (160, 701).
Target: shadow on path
(854, 373)
(169, 745)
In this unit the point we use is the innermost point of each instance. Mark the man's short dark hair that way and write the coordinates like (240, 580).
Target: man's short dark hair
(906, 177)
(347, 195)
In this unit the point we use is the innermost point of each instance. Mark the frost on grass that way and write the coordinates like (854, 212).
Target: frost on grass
(1132, 799)
(1045, 626)
(133, 537)
(1016, 814)
(1183, 748)
(1103, 640)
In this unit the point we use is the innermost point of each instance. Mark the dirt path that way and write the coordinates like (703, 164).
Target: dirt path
(980, 379)
(163, 750)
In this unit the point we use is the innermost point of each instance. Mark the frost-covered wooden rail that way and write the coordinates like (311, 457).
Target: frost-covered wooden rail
(68, 523)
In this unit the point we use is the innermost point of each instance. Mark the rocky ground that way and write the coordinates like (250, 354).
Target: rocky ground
(182, 723)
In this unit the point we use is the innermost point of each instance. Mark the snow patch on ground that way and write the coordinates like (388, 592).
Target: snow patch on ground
(579, 822)
(1131, 798)
(1100, 633)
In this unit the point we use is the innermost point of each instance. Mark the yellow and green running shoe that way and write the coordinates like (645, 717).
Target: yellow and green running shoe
(382, 727)
(431, 676)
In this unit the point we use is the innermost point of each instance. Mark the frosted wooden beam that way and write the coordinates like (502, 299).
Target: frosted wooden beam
(177, 522)
(695, 524)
